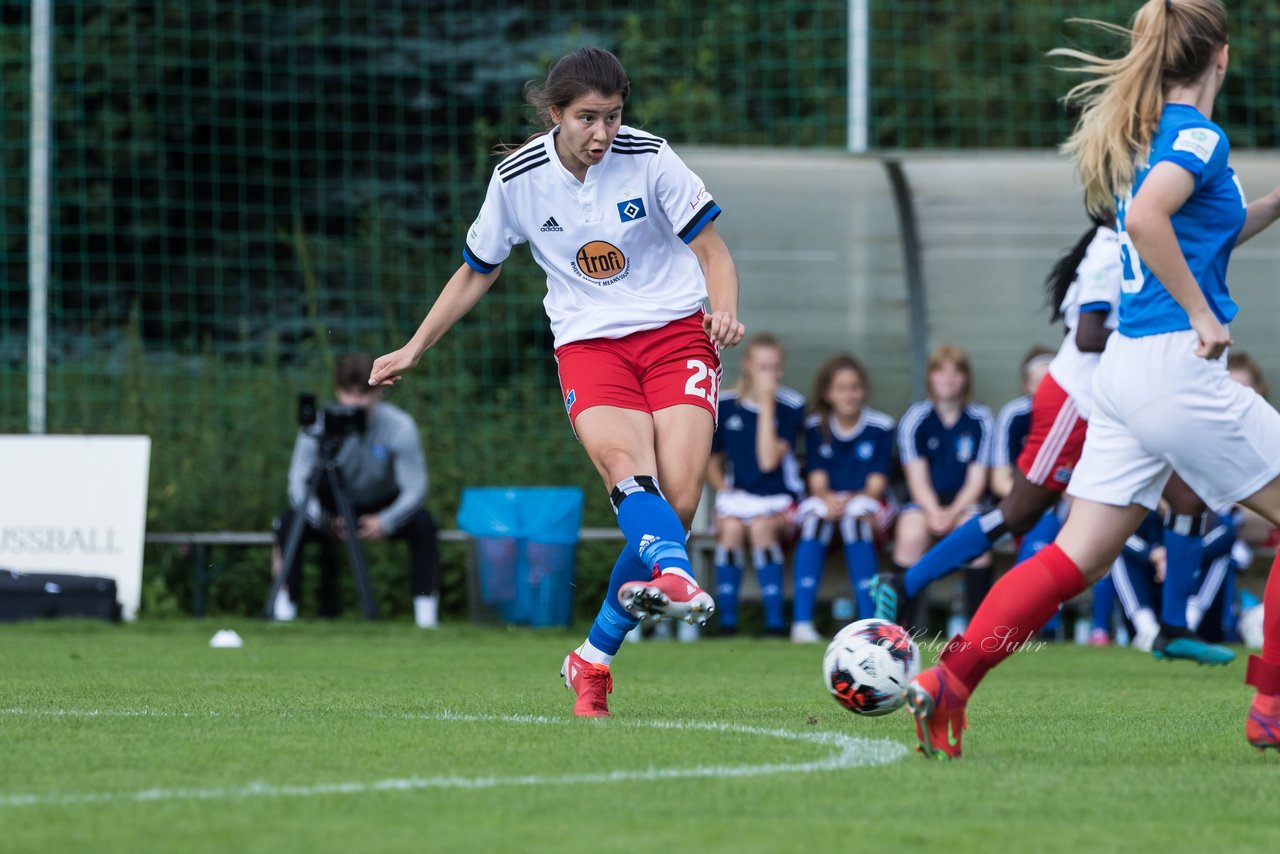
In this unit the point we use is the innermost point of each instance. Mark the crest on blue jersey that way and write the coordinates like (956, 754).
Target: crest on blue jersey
(826, 451)
(865, 450)
(964, 448)
(734, 423)
(631, 210)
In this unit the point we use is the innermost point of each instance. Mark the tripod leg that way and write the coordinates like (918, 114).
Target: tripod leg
(292, 542)
(358, 567)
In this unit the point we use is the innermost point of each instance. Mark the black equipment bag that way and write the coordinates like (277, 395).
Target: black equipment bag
(32, 595)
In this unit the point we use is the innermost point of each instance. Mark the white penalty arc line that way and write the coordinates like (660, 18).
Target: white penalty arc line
(847, 751)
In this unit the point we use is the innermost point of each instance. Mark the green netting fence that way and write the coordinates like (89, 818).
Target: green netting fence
(243, 189)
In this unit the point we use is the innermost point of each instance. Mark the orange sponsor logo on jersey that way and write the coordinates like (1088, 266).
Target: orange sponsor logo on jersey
(600, 260)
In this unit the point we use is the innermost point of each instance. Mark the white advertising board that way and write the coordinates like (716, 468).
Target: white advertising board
(78, 505)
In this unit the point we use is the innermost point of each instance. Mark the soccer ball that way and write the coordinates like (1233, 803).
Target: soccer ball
(868, 664)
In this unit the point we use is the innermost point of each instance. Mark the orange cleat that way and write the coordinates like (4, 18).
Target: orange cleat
(667, 595)
(591, 683)
(937, 699)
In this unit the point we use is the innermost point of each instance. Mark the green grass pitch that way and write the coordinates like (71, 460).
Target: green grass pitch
(353, 737)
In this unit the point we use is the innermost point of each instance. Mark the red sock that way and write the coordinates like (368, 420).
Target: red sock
(1019, 604)
(1263, 672)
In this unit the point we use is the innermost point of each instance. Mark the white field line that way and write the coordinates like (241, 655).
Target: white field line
(846, 751)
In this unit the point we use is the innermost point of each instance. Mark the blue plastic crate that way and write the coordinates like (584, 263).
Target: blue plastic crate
(526, 550)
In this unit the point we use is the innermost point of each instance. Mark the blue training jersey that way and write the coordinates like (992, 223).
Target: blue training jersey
(850, 458)
(1013, 424)
(1207, 225)
(948, 450)
(735, 437)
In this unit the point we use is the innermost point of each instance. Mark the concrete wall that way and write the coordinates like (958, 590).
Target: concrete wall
(816, 239)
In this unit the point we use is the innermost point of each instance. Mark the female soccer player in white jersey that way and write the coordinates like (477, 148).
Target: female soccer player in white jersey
(623, 230)
(1084, 289)
(1162, 397)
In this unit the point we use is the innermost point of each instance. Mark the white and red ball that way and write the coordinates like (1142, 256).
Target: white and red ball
(868, 664)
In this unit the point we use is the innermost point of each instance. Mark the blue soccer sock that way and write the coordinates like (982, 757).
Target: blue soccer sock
(954, 550)
(1184, 550)
(651, 525)
(728, 584)
(1041, 534)
(768, 563)
(806, 566)
(613, 623)
(861, 563)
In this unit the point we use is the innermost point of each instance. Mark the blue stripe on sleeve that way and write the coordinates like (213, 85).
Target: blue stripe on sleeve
(475, 263)
(712, 213)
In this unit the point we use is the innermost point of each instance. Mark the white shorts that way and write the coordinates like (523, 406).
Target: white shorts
(1158, 408)
(736, 504)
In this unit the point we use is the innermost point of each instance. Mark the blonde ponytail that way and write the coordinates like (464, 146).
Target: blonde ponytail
(1170, 42)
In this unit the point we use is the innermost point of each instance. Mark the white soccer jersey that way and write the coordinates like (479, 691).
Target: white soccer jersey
(613, 247)
(1096, 288)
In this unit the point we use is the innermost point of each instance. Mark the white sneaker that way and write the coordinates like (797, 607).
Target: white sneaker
(804, 632)
(1146, 628)
(426, 611)
(283, 610)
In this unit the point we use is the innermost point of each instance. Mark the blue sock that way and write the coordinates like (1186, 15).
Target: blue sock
(613, 623)
(650, 525)
(955, 549)
(769, 571)
(1184, 552)
(1104, 602)
(806, 566)
(861, 563)
(728, 584)
(1041, 534)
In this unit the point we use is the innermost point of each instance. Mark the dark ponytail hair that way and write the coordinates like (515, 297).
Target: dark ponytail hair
(586, 70)
(1064, 270)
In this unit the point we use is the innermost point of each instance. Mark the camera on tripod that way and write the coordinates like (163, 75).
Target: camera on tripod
(337, 422)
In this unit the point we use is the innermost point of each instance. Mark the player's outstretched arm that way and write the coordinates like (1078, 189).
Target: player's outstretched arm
(463, 290)
(722, 323)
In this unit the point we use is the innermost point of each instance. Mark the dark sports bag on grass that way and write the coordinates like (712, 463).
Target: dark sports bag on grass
(36, 595)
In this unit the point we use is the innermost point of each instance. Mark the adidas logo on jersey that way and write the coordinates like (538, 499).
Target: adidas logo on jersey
(551, 225)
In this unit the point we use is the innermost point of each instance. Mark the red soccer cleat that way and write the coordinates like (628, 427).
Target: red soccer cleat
(1262, 727)
(667, 595)
(591, 683)
(937, 699)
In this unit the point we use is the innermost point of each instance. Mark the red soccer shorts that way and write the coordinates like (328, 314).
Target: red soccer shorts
(648, 371)
(1056, 437)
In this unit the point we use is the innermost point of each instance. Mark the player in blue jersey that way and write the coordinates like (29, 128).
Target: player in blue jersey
(624, 231)
(756, 478)
(944, 444)
(1163, 400)
(848, 457)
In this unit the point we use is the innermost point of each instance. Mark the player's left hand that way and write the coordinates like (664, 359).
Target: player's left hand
(371, 528)
(723, 328)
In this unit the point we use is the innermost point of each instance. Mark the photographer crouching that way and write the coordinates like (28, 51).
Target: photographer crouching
(377, 453)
